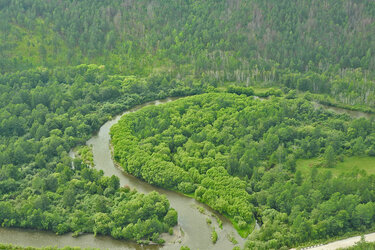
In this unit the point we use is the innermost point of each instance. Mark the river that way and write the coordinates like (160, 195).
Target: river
(192, 230)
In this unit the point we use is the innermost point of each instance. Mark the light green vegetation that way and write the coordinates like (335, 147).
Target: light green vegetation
(350, 164)
(214, 236)
(238, 155)
(85, 154)
(44, 114)
(201, 210)
(219, 222)
(243, 229)
(261, 91)
(232, 239)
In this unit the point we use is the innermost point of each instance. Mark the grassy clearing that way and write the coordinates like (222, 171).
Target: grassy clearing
(258, 91)
(349, 164)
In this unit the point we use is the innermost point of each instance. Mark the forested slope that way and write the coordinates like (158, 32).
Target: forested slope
(318, 46)
(238, 155)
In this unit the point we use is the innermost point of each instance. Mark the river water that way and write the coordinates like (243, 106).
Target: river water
(192, 230)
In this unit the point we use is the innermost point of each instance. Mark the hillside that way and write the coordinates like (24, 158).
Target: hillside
(323, 47)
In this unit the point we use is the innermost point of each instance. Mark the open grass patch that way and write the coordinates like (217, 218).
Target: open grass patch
(349, 164)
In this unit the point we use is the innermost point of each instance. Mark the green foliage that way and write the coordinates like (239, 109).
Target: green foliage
(219, 222)
(362, 245)
(240, 153)
(44, 114)
(351, 164)
(324, 47)
(208, 221)
(86, 155)
(232, 239)
(329, 157)
(171, 218)
(214, 236)
(233, 153)
(240, 90)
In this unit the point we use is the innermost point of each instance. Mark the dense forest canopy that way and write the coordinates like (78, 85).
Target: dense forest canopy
(66, 67)
(43, 114)
(296, 35)
(318, 46)
(238, 155)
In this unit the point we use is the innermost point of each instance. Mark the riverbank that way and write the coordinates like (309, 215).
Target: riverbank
(241, 232)
(197, 234)
(189, 221)
(330, 102)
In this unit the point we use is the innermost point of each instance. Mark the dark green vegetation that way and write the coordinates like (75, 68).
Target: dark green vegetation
(49, 104)
(324, 47)
(213, 236)
(43, 114)
(238, 155)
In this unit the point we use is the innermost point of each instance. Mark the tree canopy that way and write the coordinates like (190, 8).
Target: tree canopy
(238, 155)
(44, 114)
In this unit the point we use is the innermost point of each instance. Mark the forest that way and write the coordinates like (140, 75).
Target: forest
(44, 113)
(247, 139)
(325, 47)
(238, 155)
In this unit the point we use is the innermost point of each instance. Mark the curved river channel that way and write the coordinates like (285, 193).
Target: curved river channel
(192, 230)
